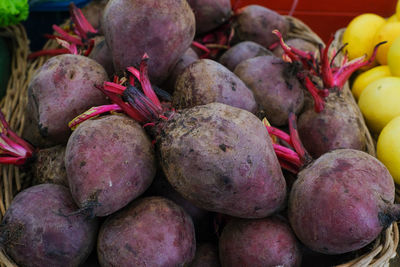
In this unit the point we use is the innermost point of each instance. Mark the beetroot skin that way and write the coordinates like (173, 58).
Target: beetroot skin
(206, 81)
(38, 230)
(162, 29)
(276, 89)
(221, 159)
(152, 231)
(259, 243)
(60, 90)
(342, 202)
(109, 161)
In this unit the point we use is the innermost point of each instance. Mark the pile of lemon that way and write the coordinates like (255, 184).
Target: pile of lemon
(377, 89)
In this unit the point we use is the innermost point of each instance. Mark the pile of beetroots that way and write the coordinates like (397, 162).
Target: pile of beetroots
(145, 135)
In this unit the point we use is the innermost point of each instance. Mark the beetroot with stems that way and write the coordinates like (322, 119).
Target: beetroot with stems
(340, 202)
(206, 81)
(337, 126)
(151, 231)
(40, 229)
(259, 243)
(242, 51)
(217, 156)
(162, 29)
(109, 162)
(61, 89)
(275, 86)
(210, 14)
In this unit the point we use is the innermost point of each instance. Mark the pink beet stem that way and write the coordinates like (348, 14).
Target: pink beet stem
(114, 88)
(11, 160)
(288, 166)
(287, 154)
(67, 37)
(296, 142)
(346, 71)
(145, 82)
(49, 52)
(319, 103)
(280, 134)
(128, 109)
(273, 46)
(91, 113)
(135, 72)
(81, 23)
(90, 48)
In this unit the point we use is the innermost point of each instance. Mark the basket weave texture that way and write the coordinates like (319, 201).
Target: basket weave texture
(13, 106)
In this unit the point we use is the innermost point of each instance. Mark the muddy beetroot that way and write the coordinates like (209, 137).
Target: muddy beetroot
(109, 162)
(163, 29)
(262, 242)
(342, 202)
(39, 228)
(206, 81)
(149, 232)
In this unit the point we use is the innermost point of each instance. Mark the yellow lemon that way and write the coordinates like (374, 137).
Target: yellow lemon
(359, 35)
(367, 77)
(392, 18)
(393, 57)
(388, 148)
(379, 102)
(388, 32)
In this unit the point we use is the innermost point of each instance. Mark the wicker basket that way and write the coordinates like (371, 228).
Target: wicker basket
(13, 105)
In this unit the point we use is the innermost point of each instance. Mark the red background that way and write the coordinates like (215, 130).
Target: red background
(325, 17)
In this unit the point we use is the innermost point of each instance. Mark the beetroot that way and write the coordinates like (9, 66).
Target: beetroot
(342, 202)
(242, 51)
(210, 14)
(217, 156)
(149, 232)
(206, 256)
(188, 58)
(61, 89)
(206, 81)
(275, 86)
(221, 159)
(101, 54)
(256, 23)
(109, 162)
(337, 126)
(262, 242)
(39, 229)
(162, 29)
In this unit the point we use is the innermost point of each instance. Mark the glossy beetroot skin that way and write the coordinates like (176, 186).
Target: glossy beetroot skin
(259, 243)
(342, 202)
(162, 29)
(221, 159)
(109, 162)
(206, 81)
(275, 87)
(37, 231)
(151, 231)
